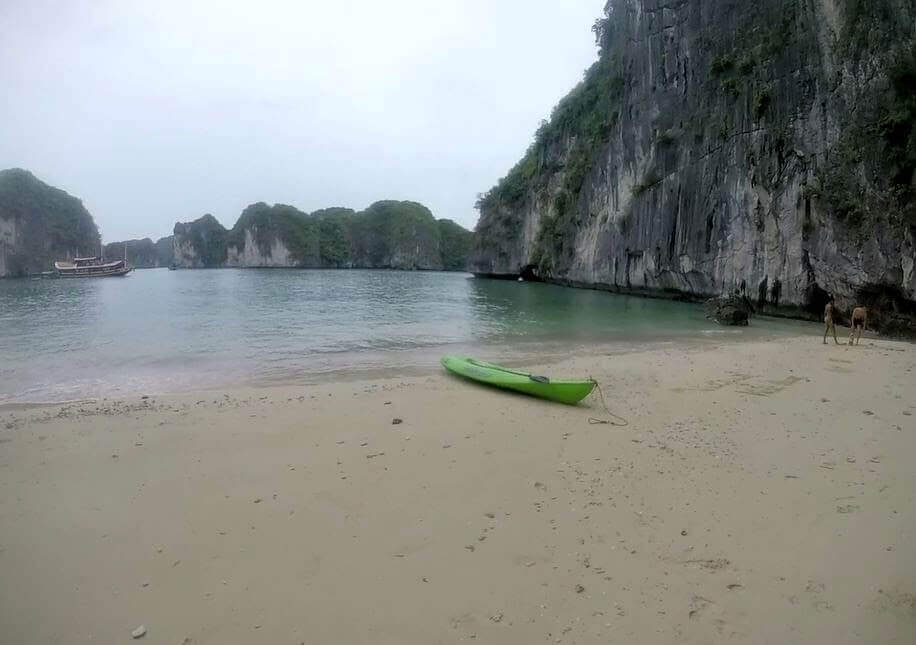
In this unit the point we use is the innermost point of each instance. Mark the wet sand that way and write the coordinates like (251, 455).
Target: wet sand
(763, 492)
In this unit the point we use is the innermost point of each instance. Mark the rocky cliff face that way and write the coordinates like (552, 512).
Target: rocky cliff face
(766, 146)
(199, 244)
(143, 254)
(252, 254)
(40, 224)
(389, 234)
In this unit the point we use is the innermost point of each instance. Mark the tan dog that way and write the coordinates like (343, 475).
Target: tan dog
(828, 322)
(857, 324)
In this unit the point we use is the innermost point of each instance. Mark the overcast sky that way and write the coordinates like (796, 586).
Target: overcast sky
(157, 111)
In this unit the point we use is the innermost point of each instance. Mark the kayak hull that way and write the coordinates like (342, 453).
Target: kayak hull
(568, 392)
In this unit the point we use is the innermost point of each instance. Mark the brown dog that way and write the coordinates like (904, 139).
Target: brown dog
(857, 324)
(828, 322)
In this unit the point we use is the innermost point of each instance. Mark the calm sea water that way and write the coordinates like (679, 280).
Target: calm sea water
(163, 331)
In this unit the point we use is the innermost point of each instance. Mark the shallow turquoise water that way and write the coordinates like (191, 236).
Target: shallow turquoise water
(162, 331)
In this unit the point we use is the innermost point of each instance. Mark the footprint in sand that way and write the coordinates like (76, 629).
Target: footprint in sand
(770, 387)
(698, 605)
(465, 621)
(715, 384)
(716, 564)
(530, 560)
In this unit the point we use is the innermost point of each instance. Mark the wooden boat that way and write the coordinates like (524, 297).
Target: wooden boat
(91, 267)
(569, 392)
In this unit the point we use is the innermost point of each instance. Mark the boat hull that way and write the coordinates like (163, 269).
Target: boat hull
(568, 392)
(115, 273)
(91, 268)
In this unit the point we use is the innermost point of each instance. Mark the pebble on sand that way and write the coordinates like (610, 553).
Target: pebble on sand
(140, 632)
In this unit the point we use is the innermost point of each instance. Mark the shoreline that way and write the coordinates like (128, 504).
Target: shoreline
(762, 492)
(793, 312)
(424, 361)
(797, 312)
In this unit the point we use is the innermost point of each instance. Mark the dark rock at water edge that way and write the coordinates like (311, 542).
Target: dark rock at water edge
(729, 310)
(764, 143)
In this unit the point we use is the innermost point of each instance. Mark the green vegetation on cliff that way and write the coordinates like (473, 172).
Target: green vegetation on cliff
(455, 244)
(585, 117)
(266, 224)
(165, 251)
(396, 234)
(388, 234)
(206, 238)
(580, 126)
(40, 224)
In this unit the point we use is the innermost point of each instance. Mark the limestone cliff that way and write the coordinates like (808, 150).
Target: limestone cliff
(40, 224)
(199, 244)
(388, 234)
(759, 145)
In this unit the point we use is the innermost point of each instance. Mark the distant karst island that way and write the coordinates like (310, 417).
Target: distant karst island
(387, 235)
(40, 224)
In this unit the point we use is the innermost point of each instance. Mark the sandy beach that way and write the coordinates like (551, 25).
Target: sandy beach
(763, 492)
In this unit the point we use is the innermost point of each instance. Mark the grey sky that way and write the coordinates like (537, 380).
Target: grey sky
(158, 111)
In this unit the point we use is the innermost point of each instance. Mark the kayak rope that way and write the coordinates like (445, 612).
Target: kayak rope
(593, 421)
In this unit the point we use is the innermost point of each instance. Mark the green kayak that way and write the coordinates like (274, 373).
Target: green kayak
(569, 392)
